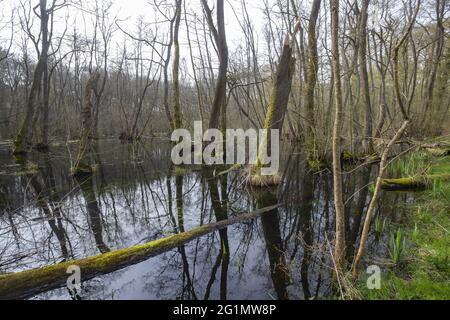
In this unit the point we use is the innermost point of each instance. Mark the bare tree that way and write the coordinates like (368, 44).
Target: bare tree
(311, 80)
(368, 127)
(22, 141)
(82, 164)
(385, 153)
(339, 252)
(220, 40)
(176, 66)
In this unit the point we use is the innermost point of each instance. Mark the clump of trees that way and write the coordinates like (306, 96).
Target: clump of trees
(182, 69)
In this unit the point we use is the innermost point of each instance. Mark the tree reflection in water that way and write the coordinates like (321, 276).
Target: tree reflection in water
(136, 196)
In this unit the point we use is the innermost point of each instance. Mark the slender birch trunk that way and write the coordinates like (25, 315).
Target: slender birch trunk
(339, 251)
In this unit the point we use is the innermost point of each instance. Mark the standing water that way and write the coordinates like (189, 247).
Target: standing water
(136, 196)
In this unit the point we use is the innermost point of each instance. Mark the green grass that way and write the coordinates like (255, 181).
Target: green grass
(423, 270)
(440, 166)
(415, 163)
(421, 287)
(397, 245)
(380, 226)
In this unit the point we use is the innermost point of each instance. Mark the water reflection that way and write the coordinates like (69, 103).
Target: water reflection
(41, 183)
(86, 184)
(220, 208)
(136, 196)
(279, 271)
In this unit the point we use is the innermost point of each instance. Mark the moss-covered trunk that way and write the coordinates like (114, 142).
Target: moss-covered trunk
(311, 81)
(365, 91)
(25, 284)
(82, 165)
(339, 252)
(276, 111)
(413, 183)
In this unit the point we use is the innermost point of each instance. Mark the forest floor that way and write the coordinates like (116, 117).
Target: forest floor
(422, 270)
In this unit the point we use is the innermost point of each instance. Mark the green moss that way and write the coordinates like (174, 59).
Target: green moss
(17, 147)
(348, 156)
(268, 123)
(317, 164)
(270, 110)
(419, 182)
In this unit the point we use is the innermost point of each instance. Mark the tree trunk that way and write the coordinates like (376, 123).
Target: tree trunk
(365, 92)
(82, 164)
(339, 252)
(222, 47)
(276, 110)
(176, 68)
(437, 51)
(413, 183)
(22, 141)
(313, 61)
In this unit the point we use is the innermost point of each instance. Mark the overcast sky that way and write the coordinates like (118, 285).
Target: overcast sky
(127, 12)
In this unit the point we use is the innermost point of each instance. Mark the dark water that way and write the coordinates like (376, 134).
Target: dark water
(135, 197)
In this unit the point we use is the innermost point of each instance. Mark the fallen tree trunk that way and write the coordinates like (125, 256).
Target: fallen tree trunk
(413, 183)
(25, 284)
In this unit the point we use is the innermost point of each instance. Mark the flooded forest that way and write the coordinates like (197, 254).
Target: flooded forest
(94, 207)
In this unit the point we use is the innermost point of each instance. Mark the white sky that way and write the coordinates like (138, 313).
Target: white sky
(127, 11)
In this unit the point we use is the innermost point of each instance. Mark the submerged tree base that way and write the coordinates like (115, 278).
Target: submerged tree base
(254, 178)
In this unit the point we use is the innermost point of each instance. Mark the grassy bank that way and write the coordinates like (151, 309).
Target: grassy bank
(423, 269)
